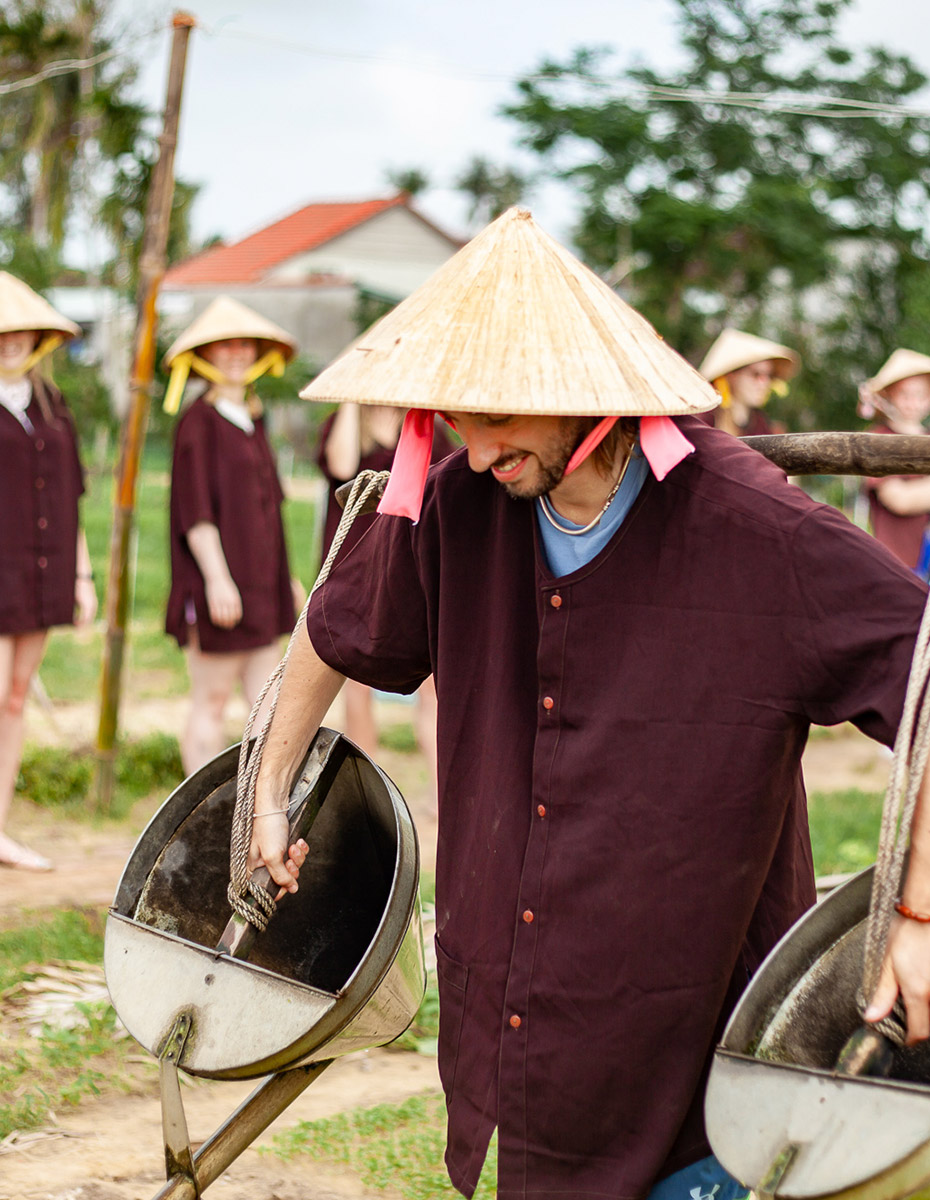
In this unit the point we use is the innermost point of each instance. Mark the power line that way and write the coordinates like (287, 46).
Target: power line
(66, 66)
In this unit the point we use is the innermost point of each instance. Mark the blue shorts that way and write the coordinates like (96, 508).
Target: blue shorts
(702, 1180)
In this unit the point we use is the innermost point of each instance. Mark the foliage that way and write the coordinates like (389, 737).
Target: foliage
(772, 214)
(396, 1148)
(54, 777)
(399, 737)
(411, 180)
(491, 189)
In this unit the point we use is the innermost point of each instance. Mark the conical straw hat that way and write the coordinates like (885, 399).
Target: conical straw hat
(227, 318)
(734, 349)
(901, 365)
(23, 309)
(514, 323)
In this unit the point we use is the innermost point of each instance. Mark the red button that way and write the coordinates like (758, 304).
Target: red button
(43, 562)
(40, 445)
(548, 702)
(556, 601)
(40, 484)
(515, 1022)
(42, 523)
(541, 810)
(528, 917)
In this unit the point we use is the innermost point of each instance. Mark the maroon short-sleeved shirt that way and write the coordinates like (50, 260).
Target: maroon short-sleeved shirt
(227, 477)
(903, 535)
(379, 459)
(623, 829)
(40, 483)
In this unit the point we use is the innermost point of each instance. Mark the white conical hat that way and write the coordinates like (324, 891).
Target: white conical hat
(734, 349)
(227, 318)
(23, 309)
(901, 365)
(513, 323)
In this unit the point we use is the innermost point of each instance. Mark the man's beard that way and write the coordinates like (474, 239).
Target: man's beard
(550, 462)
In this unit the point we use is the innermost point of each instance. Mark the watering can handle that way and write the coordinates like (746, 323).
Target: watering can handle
(324, 758)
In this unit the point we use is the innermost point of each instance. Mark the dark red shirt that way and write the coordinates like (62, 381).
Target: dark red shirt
(378, 459)
(227, 477)
(623, 828)
(40, 483)
(903, 535)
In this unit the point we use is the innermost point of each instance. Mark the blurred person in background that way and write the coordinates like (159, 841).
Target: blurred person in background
(45, 570)
(745, 370)
(899, 397)
(363, 437)
(232, 595)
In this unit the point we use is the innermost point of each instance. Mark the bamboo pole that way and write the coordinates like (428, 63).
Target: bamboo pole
(151, 270)
(871, 454)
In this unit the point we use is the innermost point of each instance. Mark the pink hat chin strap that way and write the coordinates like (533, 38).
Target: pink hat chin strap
(662, 442)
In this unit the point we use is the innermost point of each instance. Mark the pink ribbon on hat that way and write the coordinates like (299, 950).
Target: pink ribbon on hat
(662, 442)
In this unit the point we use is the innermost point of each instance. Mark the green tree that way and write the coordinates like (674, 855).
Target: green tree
(411, 180)
(780, 212)
(491, 189)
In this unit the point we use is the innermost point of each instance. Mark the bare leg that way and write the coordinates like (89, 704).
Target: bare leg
(360, 717)
(213, 677)
(20, 656)
(424, 724)
(257, 666)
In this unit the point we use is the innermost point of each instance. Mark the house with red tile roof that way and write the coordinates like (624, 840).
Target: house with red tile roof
(308, 270)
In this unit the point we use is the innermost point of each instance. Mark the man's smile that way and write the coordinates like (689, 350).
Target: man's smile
(506, 469)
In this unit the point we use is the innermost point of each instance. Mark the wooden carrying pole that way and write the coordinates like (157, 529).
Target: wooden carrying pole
(151, 270)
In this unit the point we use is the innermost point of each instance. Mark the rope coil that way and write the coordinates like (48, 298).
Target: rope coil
(247, 899)
(911, 751)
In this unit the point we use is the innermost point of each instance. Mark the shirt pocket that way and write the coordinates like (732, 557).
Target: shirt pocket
(453, 984)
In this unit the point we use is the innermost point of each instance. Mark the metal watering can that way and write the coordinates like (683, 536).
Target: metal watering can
(779, 1116)
(339, 968)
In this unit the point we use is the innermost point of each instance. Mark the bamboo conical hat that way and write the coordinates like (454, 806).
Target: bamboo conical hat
(22, 309)
(227, 318)
(513, 323)
(734, 349)
(901, 365)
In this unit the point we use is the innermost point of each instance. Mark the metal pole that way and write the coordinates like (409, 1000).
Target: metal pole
(236, 1134)
(151, 270)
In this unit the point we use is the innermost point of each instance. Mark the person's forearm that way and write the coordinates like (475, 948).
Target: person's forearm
(84, 568)
(308, 689)
(905, 497)
(343, 448)
(915, 891)
(207, 549)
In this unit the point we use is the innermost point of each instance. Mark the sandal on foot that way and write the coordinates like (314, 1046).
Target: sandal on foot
(20, 858)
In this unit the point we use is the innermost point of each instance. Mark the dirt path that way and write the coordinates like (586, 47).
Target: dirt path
(112, 1148)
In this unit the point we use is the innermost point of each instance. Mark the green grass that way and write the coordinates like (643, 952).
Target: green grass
(844, 829)
(397, 1148)
(399, 737)
(39, 1075)
(41, 937)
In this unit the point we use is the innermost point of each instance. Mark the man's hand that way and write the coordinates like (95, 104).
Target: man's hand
(906, 969)
(269, 848)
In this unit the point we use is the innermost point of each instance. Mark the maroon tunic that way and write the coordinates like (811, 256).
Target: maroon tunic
(623, 828)
(757, 426)
(902, 535)
(222, 475)
(379, 459)
(40, 482)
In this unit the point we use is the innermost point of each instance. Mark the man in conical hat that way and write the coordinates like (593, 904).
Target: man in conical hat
(231, 594)
(45, 570)
(745, 370)
(632, 620)
(899, 506)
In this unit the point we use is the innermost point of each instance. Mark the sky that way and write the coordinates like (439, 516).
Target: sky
(292, 101)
